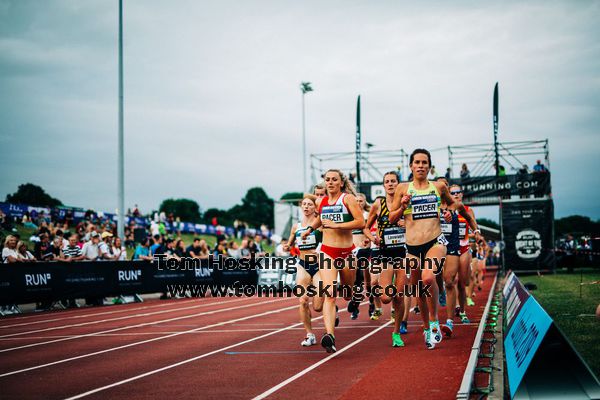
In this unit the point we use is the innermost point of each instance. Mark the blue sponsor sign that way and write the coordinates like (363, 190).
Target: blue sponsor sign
(526, 324)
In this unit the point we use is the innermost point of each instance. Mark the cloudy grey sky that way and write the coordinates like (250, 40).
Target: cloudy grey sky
(213, 105)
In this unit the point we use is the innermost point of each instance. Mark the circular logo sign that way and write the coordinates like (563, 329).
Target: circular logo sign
(528, 244)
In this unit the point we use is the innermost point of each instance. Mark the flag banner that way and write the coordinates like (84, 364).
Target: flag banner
(528, 234)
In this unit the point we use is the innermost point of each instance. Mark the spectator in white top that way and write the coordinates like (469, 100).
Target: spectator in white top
(9, 252)
(154, 228)
(118, 250)
(105, 247)
(90, 249)
(279, 250)
(24, 254)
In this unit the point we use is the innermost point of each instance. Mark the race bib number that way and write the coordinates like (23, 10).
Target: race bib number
(462, 229)
(446, 228)
(442, 240)
(333, 213)
(309, 243)
(394, 237)
(424, 206)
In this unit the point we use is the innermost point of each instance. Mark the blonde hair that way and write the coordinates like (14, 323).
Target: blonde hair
(21, 243)
(347, 186)
(367, 206)
(8, 239)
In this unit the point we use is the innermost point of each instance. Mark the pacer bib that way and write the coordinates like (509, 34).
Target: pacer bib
(424, 203)
(337, 212)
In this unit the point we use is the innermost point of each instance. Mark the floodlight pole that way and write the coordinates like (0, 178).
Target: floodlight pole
(304, 87)
(121, 170)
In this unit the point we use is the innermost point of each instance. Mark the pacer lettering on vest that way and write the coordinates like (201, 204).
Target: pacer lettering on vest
(420, 208)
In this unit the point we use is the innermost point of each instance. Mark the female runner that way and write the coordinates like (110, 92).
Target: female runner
(339, 214)
(391, 240)
(420, 201)
(307, 271)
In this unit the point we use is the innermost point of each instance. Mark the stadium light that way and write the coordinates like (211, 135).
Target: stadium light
(305, 88)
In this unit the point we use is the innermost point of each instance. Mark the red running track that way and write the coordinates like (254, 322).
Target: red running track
(223, 348)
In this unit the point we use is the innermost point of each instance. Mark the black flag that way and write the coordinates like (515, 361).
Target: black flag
(496, 164)
(358, 141)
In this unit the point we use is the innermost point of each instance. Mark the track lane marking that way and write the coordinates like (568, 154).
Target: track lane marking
(144, 341)
(136, 326)
(100, 321)
(91, 314)
(189, 360)
(319, 363)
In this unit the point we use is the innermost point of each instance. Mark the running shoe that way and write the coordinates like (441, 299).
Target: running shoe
(309, 340)
(371, 309)
(436, 333)
(448, 328)
(376, 314)
(442, 298)
(463, 318)
(428, 343)
(397, 340)
(351, 306)
(415, 310)
(353, 309)
(328, 343)
(404, 327)
(457, 311)
(470, 302)
(337, 317)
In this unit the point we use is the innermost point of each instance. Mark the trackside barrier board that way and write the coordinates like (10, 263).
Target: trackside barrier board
(540, 361)
(53, 281)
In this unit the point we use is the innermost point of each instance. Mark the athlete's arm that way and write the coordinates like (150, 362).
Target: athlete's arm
(445, 194)
(292, 239)
(315, 224)
(373, 213)
(354, 208)
(470, 217)
(399, 203)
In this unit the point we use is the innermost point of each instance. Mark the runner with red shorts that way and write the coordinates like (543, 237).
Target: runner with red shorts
(339, 214)
(464, 273)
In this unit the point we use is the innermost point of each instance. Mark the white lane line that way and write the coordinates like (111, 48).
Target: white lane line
(189, 360)
(86, 315)
(145, 341)
(317, 364)
(43, 314)
(186, 332)
(100, 321)
(137, 326)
